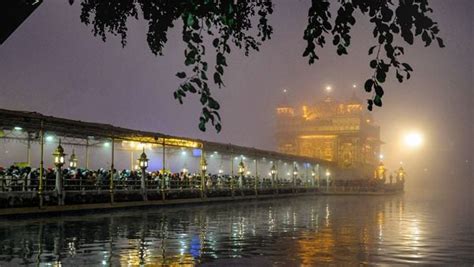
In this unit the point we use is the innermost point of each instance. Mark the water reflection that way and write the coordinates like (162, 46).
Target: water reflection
(302, 231)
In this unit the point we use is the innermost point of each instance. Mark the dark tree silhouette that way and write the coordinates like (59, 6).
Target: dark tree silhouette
(244, 24)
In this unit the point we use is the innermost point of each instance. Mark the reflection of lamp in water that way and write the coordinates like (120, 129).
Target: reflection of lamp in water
(328, 174)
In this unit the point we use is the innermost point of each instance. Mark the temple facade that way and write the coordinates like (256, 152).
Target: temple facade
(339, 131)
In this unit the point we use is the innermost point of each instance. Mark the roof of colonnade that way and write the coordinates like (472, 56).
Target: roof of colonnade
(33, 122)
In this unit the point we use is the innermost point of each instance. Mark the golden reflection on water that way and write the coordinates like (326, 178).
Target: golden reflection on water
(324, 230)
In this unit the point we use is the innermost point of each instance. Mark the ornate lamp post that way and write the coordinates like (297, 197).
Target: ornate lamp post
(380, 173)
(203, 175)
(241, 173)
(295, 174)
(401, 175)
(143, 164)
(273, 172)
(59, 155)
(73, 161)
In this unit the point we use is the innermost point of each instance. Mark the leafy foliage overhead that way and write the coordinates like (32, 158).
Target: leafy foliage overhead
(243, 24)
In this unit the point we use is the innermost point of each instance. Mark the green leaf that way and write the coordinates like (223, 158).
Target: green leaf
(189, 61)
(215, 42)
(399, 77)
(202, 126)
(203, 75)
(370, 103)
(203, 99)
(373, 63)
(197, 81)
(378, 100)
(407, 67)
(220, 69)
(190, 20)
(368, 85)
(217, 79)
(181, 75)
(220, 59)
(191, 88)
(371, 50)
(440, 42)
(213, 104)
(380, 76)
(378, 90)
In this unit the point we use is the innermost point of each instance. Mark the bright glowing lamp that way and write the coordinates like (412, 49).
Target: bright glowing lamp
(143, 160)
(59, 155)
(273, 170)
(241, 167)
(203, 165)
(73, 160)
(413, 140)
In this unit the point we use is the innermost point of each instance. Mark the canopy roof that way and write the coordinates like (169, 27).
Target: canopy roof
(34, 122)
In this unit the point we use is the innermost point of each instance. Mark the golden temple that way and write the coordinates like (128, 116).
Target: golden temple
(339, 131)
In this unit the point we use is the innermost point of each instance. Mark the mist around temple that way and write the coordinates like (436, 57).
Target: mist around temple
(165, 133)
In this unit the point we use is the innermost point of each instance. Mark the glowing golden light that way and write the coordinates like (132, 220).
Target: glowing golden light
(328, 88)
(413, 140)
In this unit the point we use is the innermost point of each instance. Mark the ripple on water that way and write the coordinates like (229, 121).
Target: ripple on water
(300, 231)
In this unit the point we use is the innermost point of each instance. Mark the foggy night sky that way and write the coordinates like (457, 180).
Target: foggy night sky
(54, 65)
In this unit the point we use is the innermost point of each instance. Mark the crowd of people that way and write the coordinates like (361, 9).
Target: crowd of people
(17, 178)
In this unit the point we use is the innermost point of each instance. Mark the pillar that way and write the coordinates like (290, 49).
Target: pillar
(59, 186)
(41, 170)
(111, 182)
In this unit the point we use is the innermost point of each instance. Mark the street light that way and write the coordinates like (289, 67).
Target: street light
(273, 172)
(203, 165)
(203, 174)
(59, 162)
(413, 140)
(73, 161)
(143, 164)
(241, 173)
(59, 155)
(401, 175)
(313, 176)
(241, 167)
(295, 173)
(380, 172)
(143, 160)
